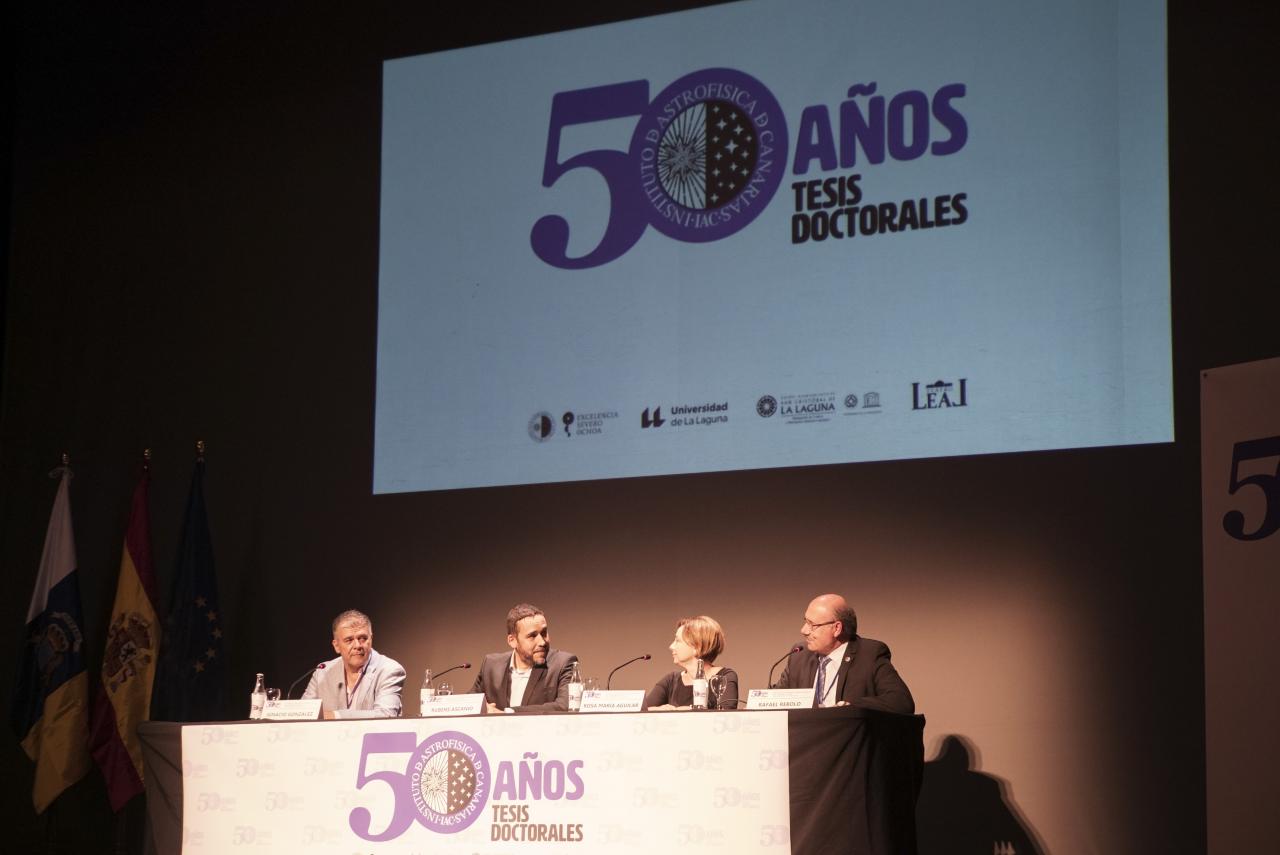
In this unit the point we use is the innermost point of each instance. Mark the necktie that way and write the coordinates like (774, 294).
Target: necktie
(820, 688)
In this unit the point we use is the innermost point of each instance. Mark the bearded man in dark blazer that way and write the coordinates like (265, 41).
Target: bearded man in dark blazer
(854, 670)
(530, 677)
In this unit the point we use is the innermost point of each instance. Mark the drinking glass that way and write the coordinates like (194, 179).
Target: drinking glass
(716, 687)
(444, 689)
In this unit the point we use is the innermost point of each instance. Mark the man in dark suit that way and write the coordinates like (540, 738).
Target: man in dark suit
(853, 670)
(531, 677)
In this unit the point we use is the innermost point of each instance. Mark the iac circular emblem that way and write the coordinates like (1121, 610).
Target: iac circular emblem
(710, 151)
(766, 406)
(707, 155)
(850, 401)
(541, 427)
(449, 781)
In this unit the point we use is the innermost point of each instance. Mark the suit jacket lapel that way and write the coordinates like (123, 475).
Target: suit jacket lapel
(367, 679)
(537, 677)
(809, 672)
(334, 698)
(850, 653)
(504, 690)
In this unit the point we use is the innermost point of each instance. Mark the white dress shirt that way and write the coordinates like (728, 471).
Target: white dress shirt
(519, 682)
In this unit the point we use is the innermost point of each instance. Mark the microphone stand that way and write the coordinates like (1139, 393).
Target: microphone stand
(792, 652)
(464, 666)
(609, 682)
(305, 674)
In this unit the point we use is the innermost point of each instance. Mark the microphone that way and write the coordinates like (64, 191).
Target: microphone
(609, 681)
(305, 674)
(463, 665)
(792, 652)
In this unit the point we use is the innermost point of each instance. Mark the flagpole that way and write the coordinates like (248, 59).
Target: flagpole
(51, 827)
(64, 466)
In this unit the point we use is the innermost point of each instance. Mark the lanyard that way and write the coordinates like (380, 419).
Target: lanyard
(351, 694)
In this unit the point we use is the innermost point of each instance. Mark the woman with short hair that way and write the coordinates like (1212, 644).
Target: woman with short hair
(695, 638)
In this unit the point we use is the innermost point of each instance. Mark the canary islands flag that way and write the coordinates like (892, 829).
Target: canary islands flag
(51, 701)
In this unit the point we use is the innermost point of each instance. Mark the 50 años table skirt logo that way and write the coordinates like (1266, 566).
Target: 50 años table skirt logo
(444, 786)
(707, 155)
(449, 780)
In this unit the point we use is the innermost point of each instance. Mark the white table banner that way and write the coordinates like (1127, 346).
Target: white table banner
(488, 785)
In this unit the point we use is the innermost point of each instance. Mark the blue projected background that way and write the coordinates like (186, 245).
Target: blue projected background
(774, 234)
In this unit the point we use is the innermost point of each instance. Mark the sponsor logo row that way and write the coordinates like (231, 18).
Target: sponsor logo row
(806, 408)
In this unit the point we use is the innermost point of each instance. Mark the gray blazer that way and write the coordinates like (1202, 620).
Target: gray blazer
(548, 688)
(377, 696)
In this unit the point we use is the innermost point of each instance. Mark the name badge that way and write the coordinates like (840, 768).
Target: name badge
(618, 700)
(779, 699)
(303, 710)
(468, 704)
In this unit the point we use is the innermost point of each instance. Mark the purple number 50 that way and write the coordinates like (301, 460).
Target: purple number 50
(360, 818)
(550, 235)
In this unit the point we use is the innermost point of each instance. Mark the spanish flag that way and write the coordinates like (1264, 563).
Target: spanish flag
(51, 701)
(129, 663)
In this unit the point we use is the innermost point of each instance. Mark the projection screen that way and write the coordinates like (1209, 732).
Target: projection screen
(774, 234)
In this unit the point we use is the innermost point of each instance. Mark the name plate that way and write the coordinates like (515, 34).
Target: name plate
(617, 700)
(308, 710)
(468, 704)
(779, 699)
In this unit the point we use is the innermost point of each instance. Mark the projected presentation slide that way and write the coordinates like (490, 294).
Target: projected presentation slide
(774, 234)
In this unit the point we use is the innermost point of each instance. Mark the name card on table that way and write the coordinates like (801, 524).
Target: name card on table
(779, 699)
(617, 700)
(468, 704)
(302, 710)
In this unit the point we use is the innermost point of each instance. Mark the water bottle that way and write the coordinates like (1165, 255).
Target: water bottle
(427, 694)
(257, 698)
(575, 688)
(700, 688)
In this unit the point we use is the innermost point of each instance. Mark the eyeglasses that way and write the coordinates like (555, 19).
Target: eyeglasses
(813, 625)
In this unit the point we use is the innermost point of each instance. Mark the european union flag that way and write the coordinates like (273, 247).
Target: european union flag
(190, 685)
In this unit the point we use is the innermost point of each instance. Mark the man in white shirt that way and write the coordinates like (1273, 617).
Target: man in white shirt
(531, 677)
(360, 682)
(841, 667)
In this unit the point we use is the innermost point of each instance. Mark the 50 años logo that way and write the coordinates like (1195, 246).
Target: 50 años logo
(710, 151)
